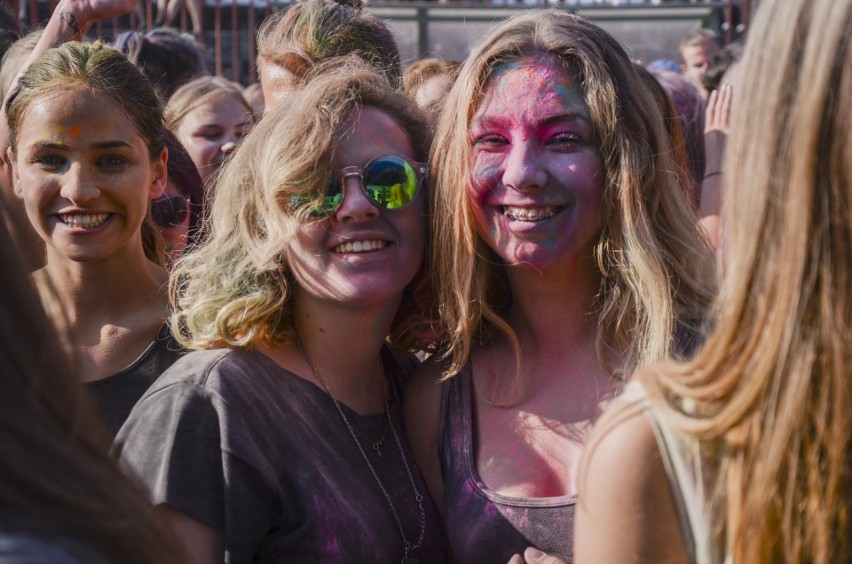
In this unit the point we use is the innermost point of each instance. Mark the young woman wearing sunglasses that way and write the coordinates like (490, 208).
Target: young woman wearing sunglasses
(87, 155)
(177, 213)
(281, 439)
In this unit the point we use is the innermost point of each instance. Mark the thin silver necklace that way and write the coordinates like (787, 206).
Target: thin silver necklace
(417, 496)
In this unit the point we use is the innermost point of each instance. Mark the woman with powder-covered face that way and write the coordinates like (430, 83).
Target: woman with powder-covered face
(87, 154)
(559, 239)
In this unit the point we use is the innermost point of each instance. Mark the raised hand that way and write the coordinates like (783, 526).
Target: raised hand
(718, 115)
(78, 15)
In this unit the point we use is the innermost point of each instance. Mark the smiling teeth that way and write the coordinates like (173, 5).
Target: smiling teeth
(529, 214)
(360, 247)
(84, 219)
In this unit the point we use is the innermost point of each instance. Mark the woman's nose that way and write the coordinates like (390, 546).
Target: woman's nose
(77, 187)
(524, 168)
(355, 205)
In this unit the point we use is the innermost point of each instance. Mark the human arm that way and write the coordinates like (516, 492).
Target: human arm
(171, 442)
(69, 21)
(202, 544)
(716, 126)
(625, 512)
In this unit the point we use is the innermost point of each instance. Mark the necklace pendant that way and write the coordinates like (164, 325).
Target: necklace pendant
(378, 448)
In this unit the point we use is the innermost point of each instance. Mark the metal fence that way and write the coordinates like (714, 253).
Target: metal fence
(444, 28)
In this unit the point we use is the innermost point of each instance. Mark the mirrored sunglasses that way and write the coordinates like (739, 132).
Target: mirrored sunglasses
(170, 211)
(390, 183)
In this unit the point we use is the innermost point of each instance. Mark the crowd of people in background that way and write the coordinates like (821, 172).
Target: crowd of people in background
(546, 304)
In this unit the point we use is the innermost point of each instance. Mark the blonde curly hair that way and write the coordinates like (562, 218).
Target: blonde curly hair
(235, 289)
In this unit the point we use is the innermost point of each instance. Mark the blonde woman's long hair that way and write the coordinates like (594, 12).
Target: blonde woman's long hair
(771, 388)
(653, 260)
(235, 289)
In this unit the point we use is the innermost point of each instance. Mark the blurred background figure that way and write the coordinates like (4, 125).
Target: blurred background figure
(177, 213)
(428, 81)
(689, 111)
(674, 128)
(14, 58)
(720, 65)
(659, 65)
(168, 59)
(253, 93)
(168, 10)
(697, 50)
(210, 117)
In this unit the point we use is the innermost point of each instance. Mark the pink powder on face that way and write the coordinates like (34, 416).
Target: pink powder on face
(535, 186)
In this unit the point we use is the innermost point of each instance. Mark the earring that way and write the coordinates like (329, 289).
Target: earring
(603, 255)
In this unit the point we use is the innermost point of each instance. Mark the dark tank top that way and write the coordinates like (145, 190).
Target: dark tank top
(484, 526)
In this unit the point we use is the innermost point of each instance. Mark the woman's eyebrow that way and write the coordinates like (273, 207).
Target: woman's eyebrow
(497, 120)
(110, 145)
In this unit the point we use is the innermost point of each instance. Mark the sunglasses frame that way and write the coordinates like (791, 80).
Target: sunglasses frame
(166, 197)
(421, 172)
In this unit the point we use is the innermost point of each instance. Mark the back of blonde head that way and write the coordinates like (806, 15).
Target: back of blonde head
(652, 258)
(317, 30)
(772, 385)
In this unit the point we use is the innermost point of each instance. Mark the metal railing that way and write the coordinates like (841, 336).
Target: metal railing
(228, 27)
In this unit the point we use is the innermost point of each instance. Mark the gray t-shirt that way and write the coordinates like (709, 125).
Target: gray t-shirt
(234, 441)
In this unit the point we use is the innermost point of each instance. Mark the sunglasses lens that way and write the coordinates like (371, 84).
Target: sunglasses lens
(391, 183)
(332, 198)
(169, 211)
(323, 205)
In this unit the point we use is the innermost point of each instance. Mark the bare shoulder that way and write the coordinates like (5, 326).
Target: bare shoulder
(621, 438)
(421, 415)
(202, 544)
(623, 487)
